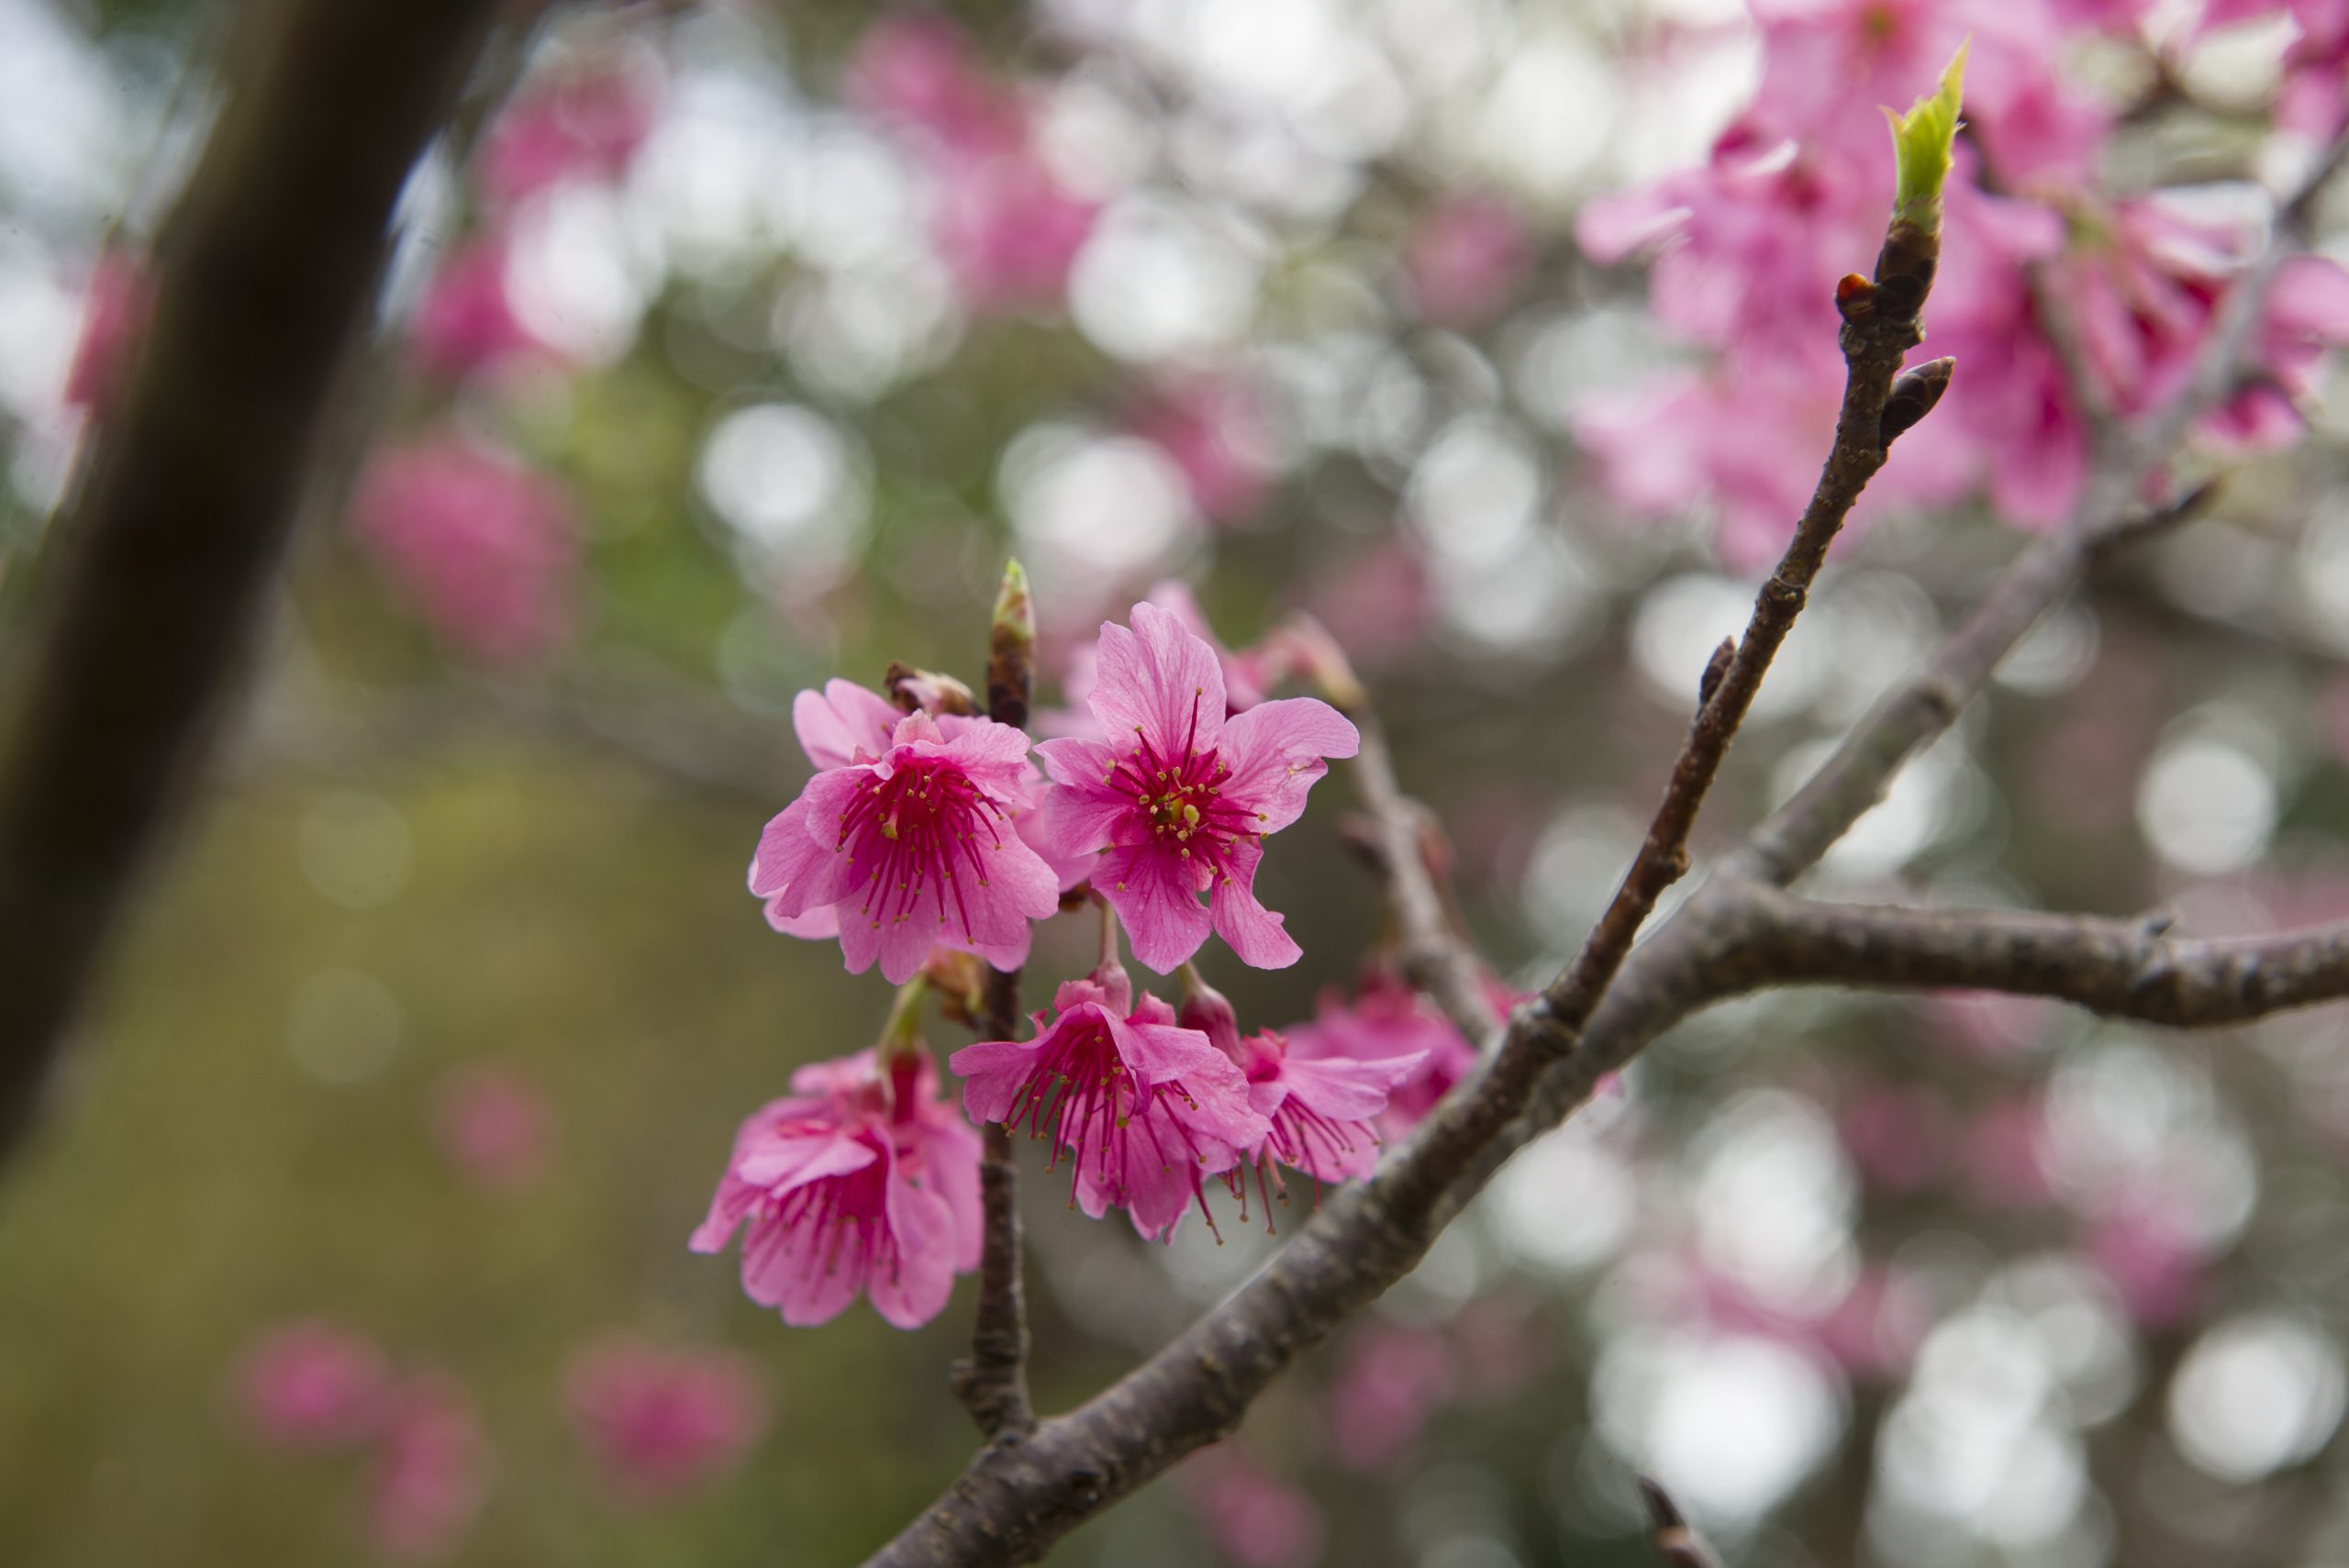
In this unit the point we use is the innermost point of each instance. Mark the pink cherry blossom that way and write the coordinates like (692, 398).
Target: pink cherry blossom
(1388, 1020)
(2158, 1270)
(431, 1471)
(1467, 255)
(905, 838)
(494, 1125)
(1899, 1136)
(1391, 1381)
(1146, 1110)
(121, 299)
(465, 320)
(1243, 686)
(485, 544)
(859, 1181)
(659, 1421)
(918, 68)
(1179, 801)
(1253, 1518)
(310, 1384)
(1009, 231)
(1215, 429)
(585, 124)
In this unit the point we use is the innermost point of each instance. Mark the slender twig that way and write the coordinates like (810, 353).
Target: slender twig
(2122, 968)
(993, 1382)
(1013, 1501)
(2109, 513)
(1677, 1540)
(1433, 955)
(158, 576)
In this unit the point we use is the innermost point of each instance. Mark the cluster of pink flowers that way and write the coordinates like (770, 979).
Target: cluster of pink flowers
(658, 1421)
(1746, 249)
(1007, 225)
(483, 544)
(928, 840)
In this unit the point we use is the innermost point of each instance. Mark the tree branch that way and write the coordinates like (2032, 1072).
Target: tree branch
(1013, 1501)
(158, 576)
(1677, 1540)
(2120, 968)
(1434, 956)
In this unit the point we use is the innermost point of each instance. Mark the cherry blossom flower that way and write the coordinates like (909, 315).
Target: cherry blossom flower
(1391, 1381)
(1465, 258)
(1254, 1517)
(859, 1181)
(494, 1125)
(1180, 801)
(1145, 1109)
(906, 837)
(1322, 1110)
(465, 320)
(659, 1421)
(1215, 429)
(484, 543)
(431, 1471)
(121, 299)
(585, 124)
(310, 1384)
(1388, 1020)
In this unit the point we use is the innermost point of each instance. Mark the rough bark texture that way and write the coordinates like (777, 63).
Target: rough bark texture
(157, 578)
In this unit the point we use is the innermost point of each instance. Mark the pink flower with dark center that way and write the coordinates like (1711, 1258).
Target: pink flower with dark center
(484, 543)
(1178, 801)
(659, 1422)
(1386, 1020)
(314, 1385)
(465, 319)
(494, 1125)
(1146, 1110)
(907, 837)
(861, 1180)
(431, 1471)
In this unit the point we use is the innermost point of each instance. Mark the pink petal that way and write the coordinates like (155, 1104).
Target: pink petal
(916, 1289)
(1254, 931)
(1159, 679)
(1160, 908)
(842, 720)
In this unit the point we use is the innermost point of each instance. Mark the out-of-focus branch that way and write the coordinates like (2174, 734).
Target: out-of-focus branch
(1434, 956)
(2110, 513)
(2122, 968)
(1677, 1540)
(993, 1382)
(157, 577)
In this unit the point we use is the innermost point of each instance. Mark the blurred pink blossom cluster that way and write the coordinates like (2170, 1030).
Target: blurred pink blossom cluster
(485, 545)
(659, 1421)
(581, 123)
(1007, 225)
(313, 1385)
(494, 1125)
(1746, 249)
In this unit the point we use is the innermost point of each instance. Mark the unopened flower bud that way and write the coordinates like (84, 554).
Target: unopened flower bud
(1011, 650)
(1912, 396)
(1211, 1012)
(927, 691)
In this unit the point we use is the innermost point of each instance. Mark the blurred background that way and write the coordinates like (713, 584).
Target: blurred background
(729, 347)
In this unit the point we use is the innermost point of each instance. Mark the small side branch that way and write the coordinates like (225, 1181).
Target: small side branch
(2120, 968)
(1434, 956)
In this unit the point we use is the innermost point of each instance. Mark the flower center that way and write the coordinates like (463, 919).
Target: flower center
(918, 839)
(1181, 795)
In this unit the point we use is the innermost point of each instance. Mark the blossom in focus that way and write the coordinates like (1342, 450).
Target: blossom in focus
(1322, 1110)
(1465, 257)
(585, 124)
(1145, 1110)
(1391, 1381)
(465, 320)
(313, 1385)
(431, 1471)
(1178, 801)
(483, 544)
(1253, 1518)
(905, 838)
(659, 1421)
(861, 1180)
(494, 1125)
(1386, 1020)
(121, 297)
